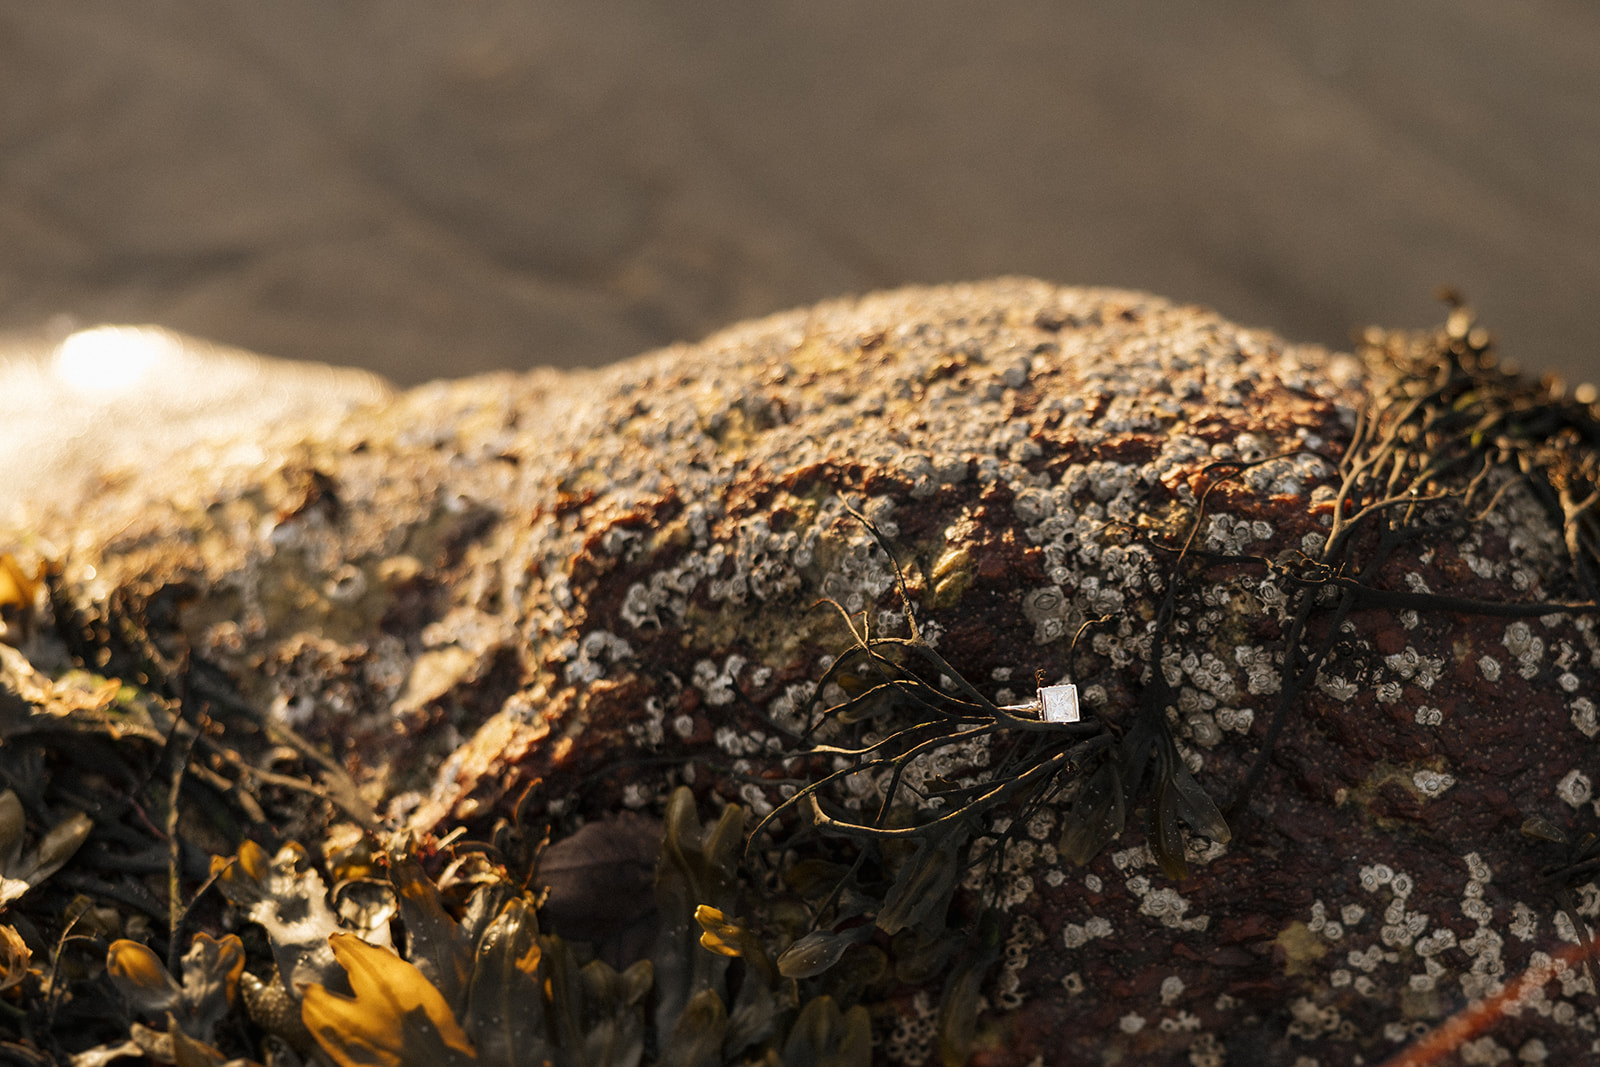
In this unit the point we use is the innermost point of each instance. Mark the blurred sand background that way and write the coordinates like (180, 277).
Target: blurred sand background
(431, 189)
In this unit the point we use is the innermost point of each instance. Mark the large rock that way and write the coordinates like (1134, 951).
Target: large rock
(603, 584)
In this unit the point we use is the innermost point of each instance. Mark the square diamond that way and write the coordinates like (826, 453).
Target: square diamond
(1059, 703)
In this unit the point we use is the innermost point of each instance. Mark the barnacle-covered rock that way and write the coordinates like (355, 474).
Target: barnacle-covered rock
(579, 591)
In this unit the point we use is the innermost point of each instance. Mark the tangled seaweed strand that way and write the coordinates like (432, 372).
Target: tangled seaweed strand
(1433, 454)
(931, 713)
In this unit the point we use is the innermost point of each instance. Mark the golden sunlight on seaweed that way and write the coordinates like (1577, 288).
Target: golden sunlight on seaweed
(395, 1018)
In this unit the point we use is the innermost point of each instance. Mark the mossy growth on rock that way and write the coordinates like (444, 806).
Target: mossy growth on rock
(1331, 619)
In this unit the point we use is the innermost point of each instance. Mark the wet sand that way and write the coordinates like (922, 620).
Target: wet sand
(430, 190)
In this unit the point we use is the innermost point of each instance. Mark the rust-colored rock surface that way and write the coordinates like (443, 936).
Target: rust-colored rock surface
(601, 585)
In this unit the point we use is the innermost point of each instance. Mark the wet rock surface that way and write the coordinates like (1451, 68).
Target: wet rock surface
(570, 593)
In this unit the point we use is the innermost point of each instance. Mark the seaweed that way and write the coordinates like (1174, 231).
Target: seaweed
(483, 983)
(127, 762)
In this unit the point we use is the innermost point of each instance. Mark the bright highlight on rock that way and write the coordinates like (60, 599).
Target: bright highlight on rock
(108, 358)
